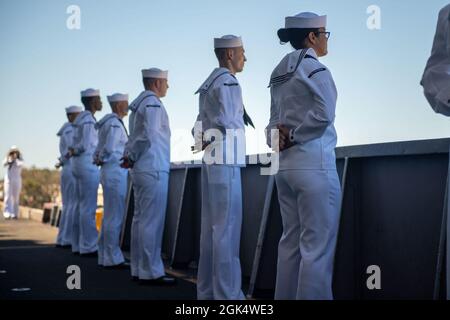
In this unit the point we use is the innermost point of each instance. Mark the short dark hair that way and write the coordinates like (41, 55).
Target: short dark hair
(221, 53)
(296, 36)
(149, 81)
(87, 101)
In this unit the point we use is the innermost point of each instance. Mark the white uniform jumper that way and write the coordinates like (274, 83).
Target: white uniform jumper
(112, 137)
(219, 270)
(436, 77)
(303, 98)
(65, 135)
(85, 235)
(12, 187)
(149, 148)
(134, 106)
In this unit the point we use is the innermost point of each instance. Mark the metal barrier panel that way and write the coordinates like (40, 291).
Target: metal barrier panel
(54, 216)
(58, 218)
(46, 216)
(267, 264)
(254, 188)
(186, 249)
(175, 194)
(392, 217)
(175, 197)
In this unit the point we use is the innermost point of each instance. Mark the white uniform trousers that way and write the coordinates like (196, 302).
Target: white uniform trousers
(219, 270)
(87, 176)
(12, 189)
(114, 183)
(76, 218)
(310, 202)
(150, 203)
(64, 237)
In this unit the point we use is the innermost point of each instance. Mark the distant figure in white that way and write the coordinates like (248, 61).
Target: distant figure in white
(68, 184)
(436, 77)
(13, 183)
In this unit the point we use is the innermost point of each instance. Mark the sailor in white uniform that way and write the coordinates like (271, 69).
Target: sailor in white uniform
(86, 173)
(12, 183)
(219, 130)
(436, 77)
(303, 102)
(147, 153)
(112, 137)
(65, 134)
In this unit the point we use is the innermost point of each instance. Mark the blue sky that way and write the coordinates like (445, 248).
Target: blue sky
(44, 65)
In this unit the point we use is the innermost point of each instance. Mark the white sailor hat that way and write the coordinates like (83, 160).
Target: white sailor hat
(116, 97)
(228, 41)
(74, 109)
(90, 93)
(155, 73)
(13, 148)
(304, 20)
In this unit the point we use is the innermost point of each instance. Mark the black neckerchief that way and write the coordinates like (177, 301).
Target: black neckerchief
(121, 122)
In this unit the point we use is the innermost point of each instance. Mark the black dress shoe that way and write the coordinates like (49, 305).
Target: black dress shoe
(75, 253)
(89, 255)
(122, 266)
(135, 279)
(162, 281)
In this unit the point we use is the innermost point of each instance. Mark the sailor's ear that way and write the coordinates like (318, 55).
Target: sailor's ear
(157, 83)
(230, 53)
(312, 37)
